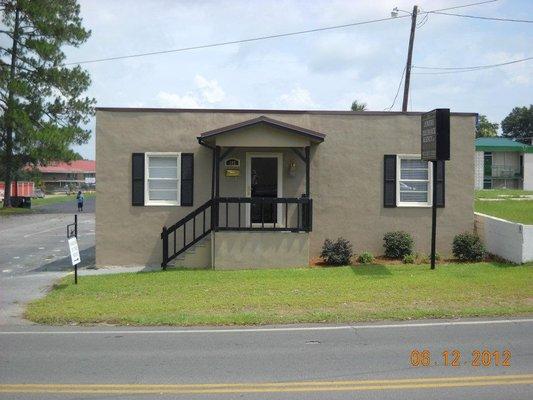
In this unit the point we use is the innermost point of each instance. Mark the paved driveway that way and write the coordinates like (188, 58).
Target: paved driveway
(34, 253)
(69, 207)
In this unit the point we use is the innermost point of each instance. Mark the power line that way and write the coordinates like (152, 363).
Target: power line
(398, 90)
(254, 39)
(453, 70)
(465, 5)
(258, 38)
(481, 17)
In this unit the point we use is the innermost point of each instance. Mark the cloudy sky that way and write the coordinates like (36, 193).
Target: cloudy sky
(322, 70)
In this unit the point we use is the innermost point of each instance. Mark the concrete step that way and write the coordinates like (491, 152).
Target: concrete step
(196, 257)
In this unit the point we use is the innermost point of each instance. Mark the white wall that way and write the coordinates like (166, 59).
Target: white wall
(528, 171)
(478, 168)
(508, 240)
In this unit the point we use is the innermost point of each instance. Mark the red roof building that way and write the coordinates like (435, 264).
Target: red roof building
(62, 176)
(73, 167)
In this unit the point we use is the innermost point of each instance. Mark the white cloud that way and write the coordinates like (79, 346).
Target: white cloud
(173, 100)
(298, 98)
(210, 90)
(206, 92)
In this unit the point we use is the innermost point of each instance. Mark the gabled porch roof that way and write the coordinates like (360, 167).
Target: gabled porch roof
(210, 137)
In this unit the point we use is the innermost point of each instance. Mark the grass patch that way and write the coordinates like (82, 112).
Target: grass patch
(512, 210)
(501, 193)
(53, 199)
(14, 211)
(343, 294)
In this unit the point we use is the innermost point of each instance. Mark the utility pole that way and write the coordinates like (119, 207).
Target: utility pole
(409, 58)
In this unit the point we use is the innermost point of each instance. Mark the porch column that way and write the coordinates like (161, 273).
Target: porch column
(217, 171)
(216, 187)
(308, 171)
(213, 173)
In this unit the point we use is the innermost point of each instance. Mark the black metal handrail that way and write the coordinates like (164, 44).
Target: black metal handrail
(181, 227)
(295, 214)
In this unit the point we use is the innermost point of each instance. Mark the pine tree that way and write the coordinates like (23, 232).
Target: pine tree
(42, 102)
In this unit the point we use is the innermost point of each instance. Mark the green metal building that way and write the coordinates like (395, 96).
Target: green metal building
(503, 163)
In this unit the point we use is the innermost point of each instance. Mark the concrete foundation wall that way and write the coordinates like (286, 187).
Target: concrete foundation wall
(243, 250)
(508, 240)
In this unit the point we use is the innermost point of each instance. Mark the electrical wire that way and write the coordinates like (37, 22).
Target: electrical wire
(422, 21)
(397, 91)
(453, 70)
(527, 21)
(258, 38)
(466, 5)
(254, 39)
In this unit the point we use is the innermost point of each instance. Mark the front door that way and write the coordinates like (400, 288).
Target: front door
(263, 177)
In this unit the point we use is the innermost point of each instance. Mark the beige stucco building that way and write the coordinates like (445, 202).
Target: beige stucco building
(258, 188)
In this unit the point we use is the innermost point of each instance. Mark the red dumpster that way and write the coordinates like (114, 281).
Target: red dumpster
(21, 193)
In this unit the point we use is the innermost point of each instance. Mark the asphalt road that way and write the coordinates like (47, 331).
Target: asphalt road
(290, 363)
(34, 253)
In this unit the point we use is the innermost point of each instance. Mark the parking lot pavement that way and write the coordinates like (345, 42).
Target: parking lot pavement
(34, 253)
(37, 242)
(68, 207)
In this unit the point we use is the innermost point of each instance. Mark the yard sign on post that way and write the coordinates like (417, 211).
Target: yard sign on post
(72, 236)
(435, 141)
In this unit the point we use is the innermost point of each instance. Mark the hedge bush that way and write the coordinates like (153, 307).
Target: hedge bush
(409, 259)
(365, 258)
(468, 247)
(337, 252)
(398, 244)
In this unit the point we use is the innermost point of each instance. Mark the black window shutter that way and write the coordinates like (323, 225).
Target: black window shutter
(137, 179)
(187, 179)
(440, 183)
(389, 180)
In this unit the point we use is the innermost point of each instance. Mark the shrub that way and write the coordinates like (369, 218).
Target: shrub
(365, 258)
(409, 259)
(398, 244)
(337, 253)
(468, 247)
(426, 258)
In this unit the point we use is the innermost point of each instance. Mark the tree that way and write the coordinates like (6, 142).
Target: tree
(42, 106)
(519, 124)
(485, 128)
(358, 106)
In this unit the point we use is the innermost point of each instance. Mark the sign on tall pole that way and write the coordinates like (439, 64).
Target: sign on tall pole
(72, 236)
(435, 146)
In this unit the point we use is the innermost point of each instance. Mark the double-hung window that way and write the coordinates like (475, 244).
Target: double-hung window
(162, 174)
(413, 183)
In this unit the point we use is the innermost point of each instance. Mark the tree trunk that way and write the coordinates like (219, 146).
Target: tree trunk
(9, 113)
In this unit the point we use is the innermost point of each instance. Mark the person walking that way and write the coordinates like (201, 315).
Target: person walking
(79, 197)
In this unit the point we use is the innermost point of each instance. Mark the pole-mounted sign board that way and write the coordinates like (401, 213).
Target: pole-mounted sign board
(74, 251)
(436, 135)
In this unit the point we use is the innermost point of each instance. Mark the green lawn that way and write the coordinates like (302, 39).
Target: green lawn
(511, 210)
(13, 211)
(53, 199)
(343, 294)
(502, 193)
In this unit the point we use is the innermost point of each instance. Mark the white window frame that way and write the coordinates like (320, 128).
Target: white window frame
(399, 158)
(147, 201)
